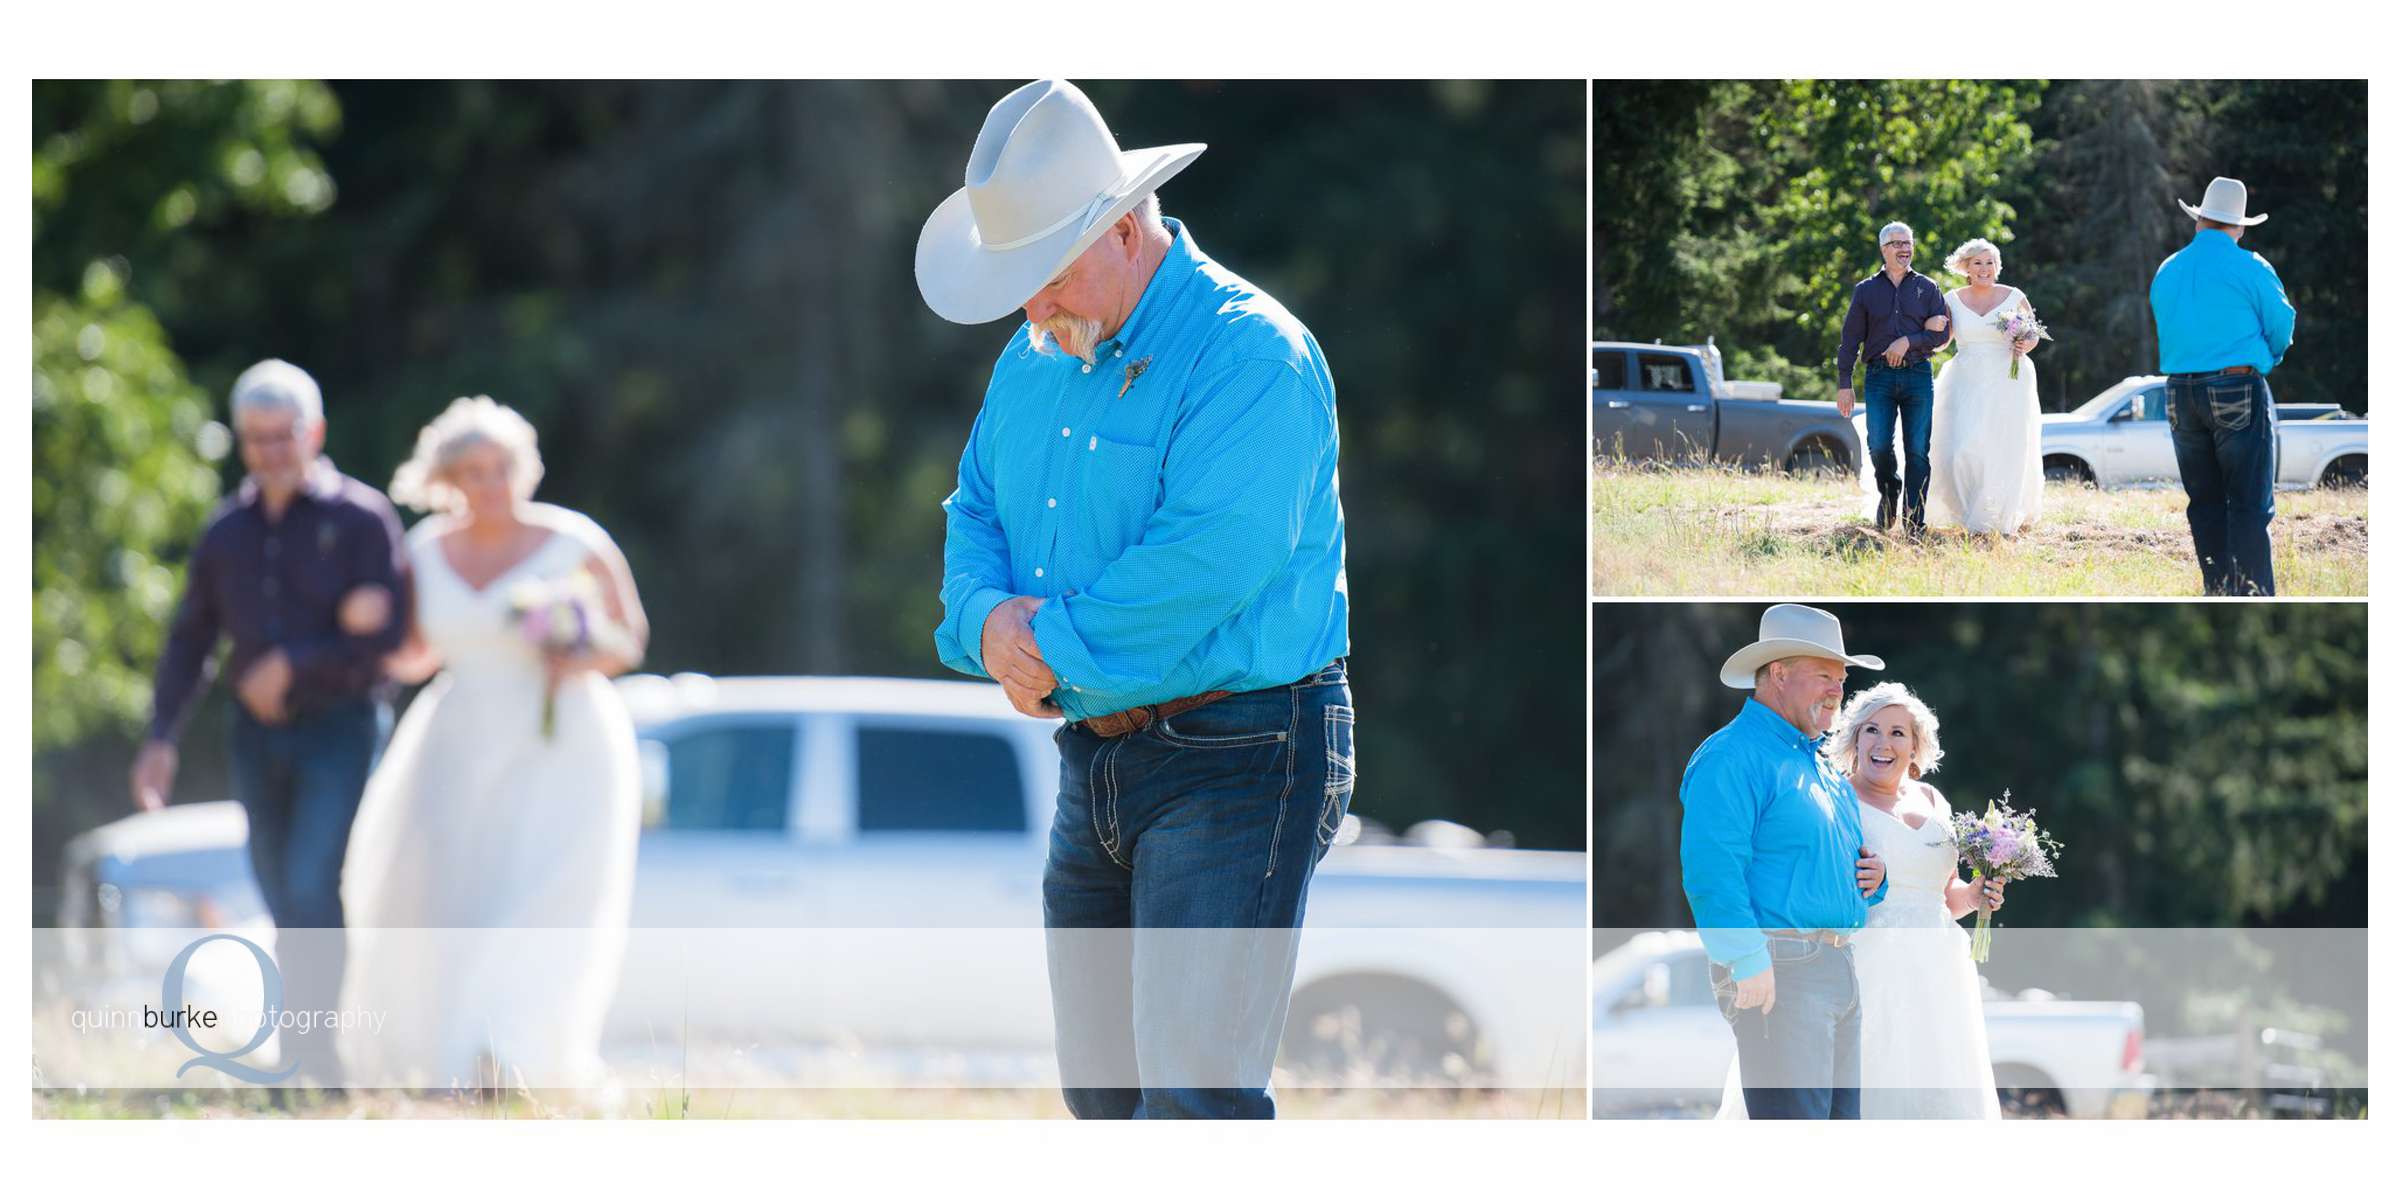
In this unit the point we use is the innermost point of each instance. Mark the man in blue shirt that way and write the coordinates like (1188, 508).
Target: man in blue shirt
(2223, 323)
(1898, 320)
(1777, 871)
(1146, 539)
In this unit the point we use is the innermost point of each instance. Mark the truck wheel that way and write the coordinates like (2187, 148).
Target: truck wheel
(2062, 469)
(1815, 458)
(1381, 1029)
(2026, 1092)
(2348, 471)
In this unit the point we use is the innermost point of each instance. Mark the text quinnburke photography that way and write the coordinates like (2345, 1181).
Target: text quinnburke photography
(1958, 337)
(806, 599)
(1979, 860)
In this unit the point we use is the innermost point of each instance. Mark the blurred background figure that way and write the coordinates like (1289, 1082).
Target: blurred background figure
(269, 573)
(510, 799)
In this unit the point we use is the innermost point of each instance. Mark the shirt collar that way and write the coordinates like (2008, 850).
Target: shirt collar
(324, 482)
(1772, 724)
(2218, 236)
(1167, 284)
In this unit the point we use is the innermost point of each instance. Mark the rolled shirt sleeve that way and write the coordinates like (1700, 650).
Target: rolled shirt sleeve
(183, 665)
(377, 554)
(1854, 332)
(1240, 471)
(1721, 806)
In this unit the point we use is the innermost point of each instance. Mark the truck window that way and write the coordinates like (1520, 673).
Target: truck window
(1609, 368)
(1688, 982)
(730, 776)
(950, 780)
(2149, 404)
(1665, 373)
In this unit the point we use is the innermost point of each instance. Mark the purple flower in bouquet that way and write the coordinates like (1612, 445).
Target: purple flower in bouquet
(2017, 325)
(2002, 844)
(555, 617)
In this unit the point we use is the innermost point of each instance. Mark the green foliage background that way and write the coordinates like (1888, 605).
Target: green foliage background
(701, 294)
(1746, 210)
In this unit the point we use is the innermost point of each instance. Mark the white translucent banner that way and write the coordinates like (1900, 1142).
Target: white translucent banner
(2076, 1021)
(766, 1008)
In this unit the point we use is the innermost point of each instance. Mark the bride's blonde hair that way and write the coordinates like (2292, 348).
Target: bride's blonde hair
(1925, 752)
(422, 482)
(1956, 264)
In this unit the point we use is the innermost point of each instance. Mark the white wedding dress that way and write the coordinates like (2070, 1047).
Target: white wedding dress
(489, 875)
(1987, 428)
(1923, 1051)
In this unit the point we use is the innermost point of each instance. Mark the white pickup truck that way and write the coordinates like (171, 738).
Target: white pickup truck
(859, 861)
(2120, 438)
(1659, 1044)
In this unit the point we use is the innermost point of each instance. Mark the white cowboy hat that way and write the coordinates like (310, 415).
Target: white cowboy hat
(2227, 201)
(1791, 631)
(1044, 182)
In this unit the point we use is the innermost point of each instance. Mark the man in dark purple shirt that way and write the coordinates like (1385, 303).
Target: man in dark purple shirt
(1899, 319)
(271, 572)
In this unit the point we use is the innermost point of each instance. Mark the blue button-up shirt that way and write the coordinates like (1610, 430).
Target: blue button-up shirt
(2217, 306)
(1770, 839)
(1176, 504)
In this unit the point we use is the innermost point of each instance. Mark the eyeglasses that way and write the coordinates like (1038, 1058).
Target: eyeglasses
(1899, 243)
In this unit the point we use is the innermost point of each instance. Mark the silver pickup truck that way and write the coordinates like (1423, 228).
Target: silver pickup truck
(1659, 1045)
(2120, 438)
(1673, 403)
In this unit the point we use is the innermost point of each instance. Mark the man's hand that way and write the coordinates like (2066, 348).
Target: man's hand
(1757, 992)
(365, 610)
(1870, 872)
(154, 775)
(265, 686)
(1843, 399)
(1895, 352)
(1936, 324)
(1012, 657)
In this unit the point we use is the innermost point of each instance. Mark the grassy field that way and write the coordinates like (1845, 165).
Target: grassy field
(765, 1103)
(1721, 531)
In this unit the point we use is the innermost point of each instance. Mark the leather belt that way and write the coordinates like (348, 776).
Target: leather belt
(1139, 717)
(2206, 374)
(1825, 937)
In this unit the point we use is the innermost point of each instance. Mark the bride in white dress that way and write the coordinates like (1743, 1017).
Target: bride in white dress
(1987, 427)
(489, 874)
(1923, 1052)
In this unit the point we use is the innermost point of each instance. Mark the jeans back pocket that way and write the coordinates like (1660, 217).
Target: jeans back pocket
(2230, 406)
(1341, 771)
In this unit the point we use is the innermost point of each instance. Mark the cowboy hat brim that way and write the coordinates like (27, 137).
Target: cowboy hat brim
(2199, 213)
(969, 283)
(1741, 671)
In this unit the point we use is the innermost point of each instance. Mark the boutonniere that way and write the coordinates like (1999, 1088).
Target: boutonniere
(1133, 371)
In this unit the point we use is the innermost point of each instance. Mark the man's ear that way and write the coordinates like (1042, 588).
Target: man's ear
(1127, 234)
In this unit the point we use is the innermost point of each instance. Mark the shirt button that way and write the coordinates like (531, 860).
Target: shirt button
(1065, 432)
(270, 547)
(1037, 572)
(1120, 352)
(1087, 368)
(1095, 443)
(267, 587)
(1054, 502)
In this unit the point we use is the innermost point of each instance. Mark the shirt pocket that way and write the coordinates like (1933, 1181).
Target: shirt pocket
(1119, 493)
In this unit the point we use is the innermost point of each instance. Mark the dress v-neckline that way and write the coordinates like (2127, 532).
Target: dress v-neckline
(443, 552)
(2005, 293)
(1862, 803)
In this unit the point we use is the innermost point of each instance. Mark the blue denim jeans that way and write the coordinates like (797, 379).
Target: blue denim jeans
(2225, 447)
(1179, 867)
(1903, 396)
(299, 785)
(1799, 1062)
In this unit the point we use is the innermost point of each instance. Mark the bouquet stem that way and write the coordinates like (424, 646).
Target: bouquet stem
(550, 717)
(1979, 947)
(2013, 359)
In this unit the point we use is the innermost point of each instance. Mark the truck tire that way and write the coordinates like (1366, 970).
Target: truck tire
(1815, 457)
(1384, 1029)
(2026, 1092)
(2066, 468)
(2348, 471)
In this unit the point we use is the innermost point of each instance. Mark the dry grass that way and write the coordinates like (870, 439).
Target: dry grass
(765, 1103)
(1721, 531)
